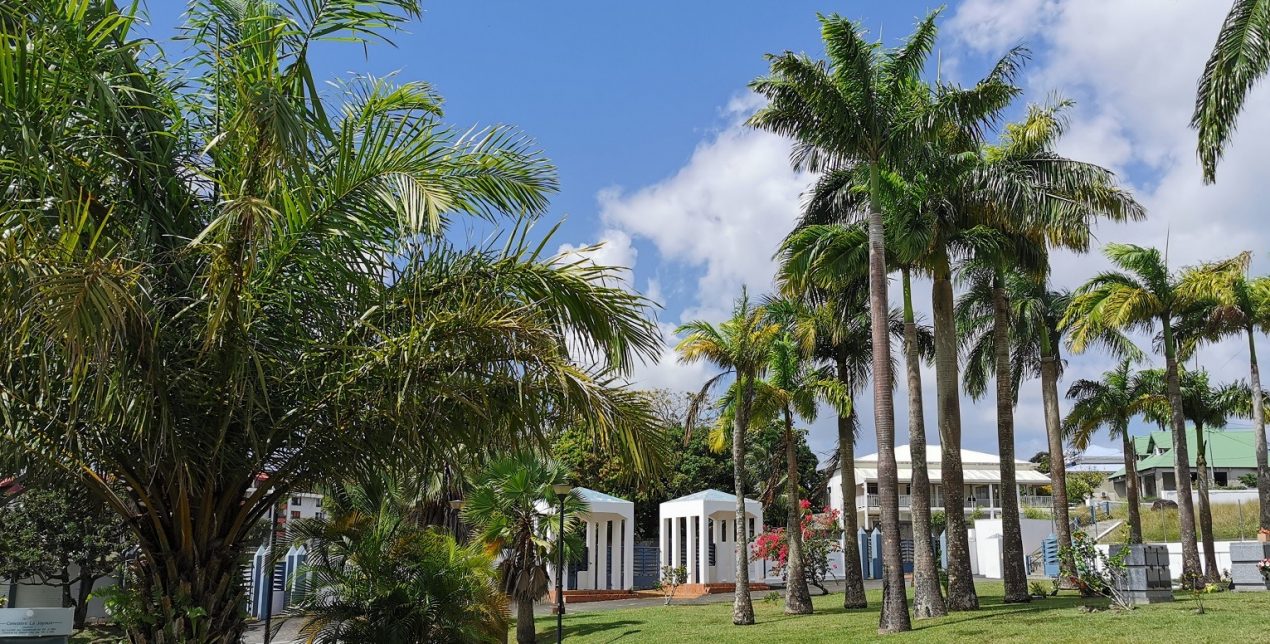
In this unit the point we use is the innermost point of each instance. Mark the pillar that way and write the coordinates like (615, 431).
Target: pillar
(628, 554)
(703, 548)
(674, 542)
(601, 555)
(992, 503)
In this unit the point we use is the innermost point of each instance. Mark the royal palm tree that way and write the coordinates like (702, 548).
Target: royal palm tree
(741, 348)
(833, 256)
(1240, 58)
(221, 294)
(856, 110)
(1138, 295)
(514, 512)
(1231, 303)
(1207, 407)
(1110, 402)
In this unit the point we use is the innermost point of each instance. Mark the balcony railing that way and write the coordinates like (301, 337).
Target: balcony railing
(937, 502)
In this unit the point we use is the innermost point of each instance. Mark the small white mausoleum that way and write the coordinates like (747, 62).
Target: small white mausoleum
(699, 532)
(609, 529)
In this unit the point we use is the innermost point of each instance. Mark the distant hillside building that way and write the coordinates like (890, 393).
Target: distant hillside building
(1231, 454)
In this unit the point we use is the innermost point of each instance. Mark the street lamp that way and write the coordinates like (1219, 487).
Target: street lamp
(562, 490)
(456, 505)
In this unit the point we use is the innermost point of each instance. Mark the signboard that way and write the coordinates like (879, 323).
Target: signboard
(19, 623)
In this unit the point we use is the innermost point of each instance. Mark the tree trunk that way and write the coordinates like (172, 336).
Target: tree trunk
(526, 631)
(797, 595)
(961, 585)
(1058, 467)
(1259, 426)
(928, 601)
(84, 589)
(742, 607)
(1181, 462)
(894, 617)
(1013, 569)
(1211, 573)
(1131, 485)
(852, 570)
(194, 595)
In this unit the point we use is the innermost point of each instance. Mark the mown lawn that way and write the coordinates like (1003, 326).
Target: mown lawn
(1229, 617)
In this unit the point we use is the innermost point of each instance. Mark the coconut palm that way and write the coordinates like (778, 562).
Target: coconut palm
(375, 574)
(1207, 407)
(1240, 58)
(1231, 303)
(514, 512)
(854, 110)
(1138, 295)
(1110, 402)
(833, 256)
(224, 293)
(741, 348)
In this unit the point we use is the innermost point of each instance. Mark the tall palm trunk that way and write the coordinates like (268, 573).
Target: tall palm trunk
(1058, 468)
(894, 617)
(1131, 486)
(797, 595)
(1211, 573)
(1259, 426)
(852, 571)
(927, 598)
(1013, 570)
(526, 632)
(742, 607)
(961, 585)
(1181, 461)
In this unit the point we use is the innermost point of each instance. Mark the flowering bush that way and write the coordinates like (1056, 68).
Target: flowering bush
(820, 538)
(1263, 567)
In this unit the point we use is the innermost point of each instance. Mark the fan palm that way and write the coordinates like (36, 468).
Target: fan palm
(513, 511)
(1110, 402)
(1207, 407)
(1240, 58)
(857, 110)
(741, 348)
(1140, 294)
(373, 574)
(1231, 303)
(220, 294)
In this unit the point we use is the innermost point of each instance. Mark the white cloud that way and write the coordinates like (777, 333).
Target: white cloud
(614, 249)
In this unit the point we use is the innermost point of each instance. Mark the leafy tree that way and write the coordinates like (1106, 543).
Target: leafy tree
(1240, 58)
(1081, 485)
(1110, 402)
(56, 533)
(375, 574)
(514, 513)
(1042, 460)
(1231, 303)
(740, 347)
(213, 271)
(1139, 294)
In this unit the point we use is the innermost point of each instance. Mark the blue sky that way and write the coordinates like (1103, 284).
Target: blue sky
(639, 104)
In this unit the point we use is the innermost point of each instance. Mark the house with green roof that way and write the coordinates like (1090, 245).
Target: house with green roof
(1231, 454)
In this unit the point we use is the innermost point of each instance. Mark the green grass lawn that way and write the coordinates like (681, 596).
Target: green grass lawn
(1229, 617)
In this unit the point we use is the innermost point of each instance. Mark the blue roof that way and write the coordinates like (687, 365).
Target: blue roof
(590, 495)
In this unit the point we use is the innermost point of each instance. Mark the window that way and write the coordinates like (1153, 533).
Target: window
(295, 514)
(750, 536)
(319, 501)
(724, 530)
(320, 515)
(295, 500)
(1220, 478)
(872, 488)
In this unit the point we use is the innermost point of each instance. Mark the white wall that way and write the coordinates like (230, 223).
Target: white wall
(1220, 496)
(1220, 548)
(987, 543)
(40, 596)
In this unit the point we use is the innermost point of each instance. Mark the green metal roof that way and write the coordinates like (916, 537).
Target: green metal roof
(1226, 449)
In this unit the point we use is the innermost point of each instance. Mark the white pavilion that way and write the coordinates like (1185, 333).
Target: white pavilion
(698, 532)
(610, 544)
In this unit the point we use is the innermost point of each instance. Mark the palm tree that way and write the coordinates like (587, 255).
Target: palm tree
(513, 511)
(1137, 296)
(1231, 304)
(224, 293)
(375, 574)
(1110, 402)
(1206, 407)
(835, 257)
(857, 110)
(1240, 58)
(741, 347)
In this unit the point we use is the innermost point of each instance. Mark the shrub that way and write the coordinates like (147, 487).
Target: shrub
(672, 577)
(1248, 480)
(820, 539)
(1098, 574)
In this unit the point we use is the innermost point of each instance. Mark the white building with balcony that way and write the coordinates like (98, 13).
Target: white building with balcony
(981, 493)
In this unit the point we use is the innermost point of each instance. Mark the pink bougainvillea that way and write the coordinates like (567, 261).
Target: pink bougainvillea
(820, 538)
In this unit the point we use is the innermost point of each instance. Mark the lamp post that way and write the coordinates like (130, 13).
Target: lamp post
(562, 490)
(456, 505)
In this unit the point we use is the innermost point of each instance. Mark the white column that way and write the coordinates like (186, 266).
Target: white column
(590, 555)
(601, 561)
(992, 503)
(628, 554)
(674, 542)
(703, 549)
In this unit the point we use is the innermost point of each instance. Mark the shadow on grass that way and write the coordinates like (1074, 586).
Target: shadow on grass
(592, 628)
(997, 609)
